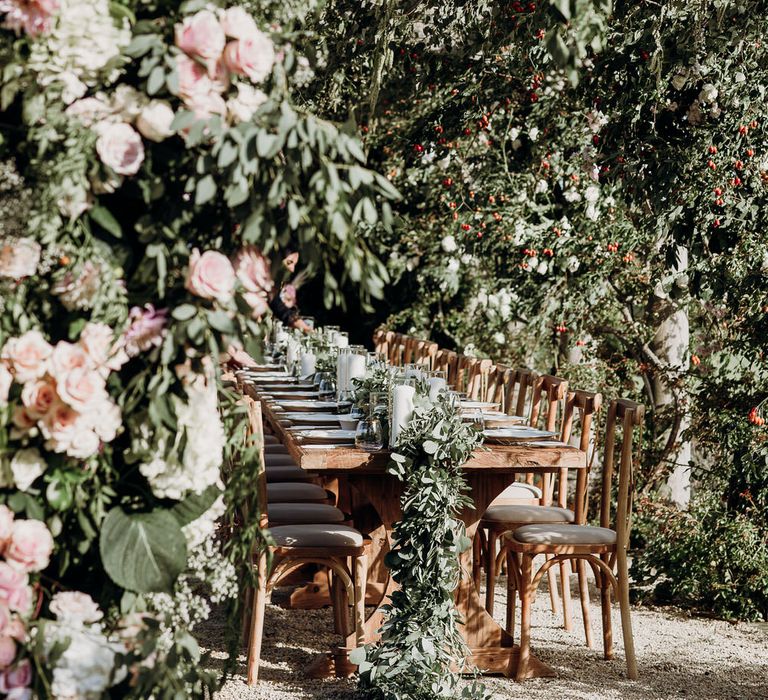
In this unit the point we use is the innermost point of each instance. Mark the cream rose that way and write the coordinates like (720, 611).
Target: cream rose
(210, 276)
(248, 100)
(38, 397)
(81, 388)
(28, 355)
(75, 608)
(6, 526)
(98, 342)
(252, 56)
(14, 586)
(19, 258)
(201, 35)
(237, 23)
(66, 357)
(6, 379)
(193, 80)
(30, 546)
(26, 466)
(120, 148)
(154, 122)
(206, 105)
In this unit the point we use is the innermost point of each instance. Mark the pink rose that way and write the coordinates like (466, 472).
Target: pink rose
(6, 525)
(252, 56)
(38, 397)
(288, 295)
(193, 79)
(33, 16)
(204, 106)
(28, 355)
(66, 357)
(98, 342)
(253, 271)
(106, 420)
(30, 546)
(210, 276)
(120, 147)
(6, 379)
(219, 77)
(83, 442)
(89, 110)
(14, 588)
(5, 618)
(238, 24)
(201, 35)
(21, 419)
(16, 629)
(81, 388)
(59, 427)
(19, 258)
(7, 651)
(17, 678)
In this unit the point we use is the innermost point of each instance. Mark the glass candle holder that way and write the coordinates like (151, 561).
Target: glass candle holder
(369, 435)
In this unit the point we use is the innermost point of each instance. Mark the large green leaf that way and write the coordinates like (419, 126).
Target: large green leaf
(143, 552)
(194, 505)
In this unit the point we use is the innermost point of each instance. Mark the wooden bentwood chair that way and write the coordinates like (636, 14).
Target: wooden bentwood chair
(604, 548)
(295, 545)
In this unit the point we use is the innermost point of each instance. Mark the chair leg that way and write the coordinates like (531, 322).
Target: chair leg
(247, 613)
(511, 592)
(361, 574)
(490, 570)
(340, 604)
(626, 621)
(605, 605)
(565, 588)
(257, 621)
(552, 579)
(526, 596)
(584, 595)
(477, 562)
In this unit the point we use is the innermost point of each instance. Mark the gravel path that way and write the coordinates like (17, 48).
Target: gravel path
(678, 656)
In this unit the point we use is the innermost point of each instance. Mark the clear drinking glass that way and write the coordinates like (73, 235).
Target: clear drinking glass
(326, 390)
(476, 418)
(369, 436)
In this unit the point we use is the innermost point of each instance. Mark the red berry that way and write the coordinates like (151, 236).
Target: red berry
(753, 124)
(738, 165)
(713, 150)
(750, 153)
(716, 223)
(718, 191)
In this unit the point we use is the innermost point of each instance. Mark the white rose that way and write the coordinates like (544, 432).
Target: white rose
(592, 212)
(154, 121)
(248, 100)
(573, 264)
(26, 466)
(678, 82)
(449, 244)
(533, 133)
(499, 338)
(541, 186)
(6, 379)
(72, 88)
(592, 193)
(75, 608)
(120, 148)
(237, 23)
(19, 258)
(708, 93)
(453, 265)
(128, 102)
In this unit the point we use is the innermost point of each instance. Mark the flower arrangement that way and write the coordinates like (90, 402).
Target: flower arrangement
(169, 164)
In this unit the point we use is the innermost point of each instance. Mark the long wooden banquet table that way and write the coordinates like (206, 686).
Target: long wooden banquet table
(490, 470)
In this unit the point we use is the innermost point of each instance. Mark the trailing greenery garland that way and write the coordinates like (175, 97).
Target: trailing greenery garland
(420, 641)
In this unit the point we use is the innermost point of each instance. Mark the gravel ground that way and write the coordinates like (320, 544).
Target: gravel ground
(678, 656)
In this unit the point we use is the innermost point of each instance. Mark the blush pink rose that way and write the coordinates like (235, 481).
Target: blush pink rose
(33, 16)
(16, 678)
(6, 379)
(252, 56)
(204, 106)
(83, 442)
(38, 397)
(253, 271)
(27, 355)
(14, 588)
(210, 276)
(7, 651)
(66, 357)
(81, 388)
(59, 426)
(193, 79)
(238, 24)
(5, 618)
(30, 546)
(6, 527)
(201, 35)
(19, 258)
(120, 147)
(97, 341)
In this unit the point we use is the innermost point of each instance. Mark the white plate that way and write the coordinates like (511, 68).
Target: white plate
(521, 434)
(474, 405)
(308, 405)
(326, 436)
(286, 386)
(290, 395)
(311, 417)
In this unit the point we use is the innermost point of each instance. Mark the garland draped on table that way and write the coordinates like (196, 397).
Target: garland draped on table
(420, 642)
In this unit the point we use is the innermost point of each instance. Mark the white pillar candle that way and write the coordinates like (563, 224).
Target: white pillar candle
(291, 353)
(308, 360)
(436, 385)
(355, 369)
(342, 341)
(402, 408)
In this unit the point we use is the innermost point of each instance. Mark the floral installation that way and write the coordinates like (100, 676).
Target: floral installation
(162, 164)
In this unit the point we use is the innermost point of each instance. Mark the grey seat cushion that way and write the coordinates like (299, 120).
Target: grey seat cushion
(275, 450)
(296, 492)
(303, 513)
(275, 460)
(271, 440)
(288, 472)
(316, 536)
(562, 534)
(528, 514)
(520, 490)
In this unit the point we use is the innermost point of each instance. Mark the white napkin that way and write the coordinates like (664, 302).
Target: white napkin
(436, 384)
(402, 408)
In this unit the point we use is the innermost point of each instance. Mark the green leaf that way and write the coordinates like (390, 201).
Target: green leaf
(221, 321)
(194, 505)
(182, 120)
(227, 154)
(103, 217)
(357, 656)
(140, 45)
(143, 552)
(557, 48)
(156, 80)
(184, 312)
(205, 190)
(267, 145)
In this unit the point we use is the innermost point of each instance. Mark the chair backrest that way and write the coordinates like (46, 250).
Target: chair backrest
(448, 361)
(426, 352)
(255, 436)
(518, 389)
(627, 416)
(381, 340)
(581, 408)
(397, 349)
(547, 401)
(409, 349)
(476, 377)
(495, 389)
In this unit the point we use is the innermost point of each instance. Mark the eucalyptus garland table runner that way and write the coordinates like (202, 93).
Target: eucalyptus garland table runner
(422, 497)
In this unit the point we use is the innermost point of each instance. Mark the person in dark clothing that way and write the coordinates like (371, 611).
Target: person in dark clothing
(288, 313)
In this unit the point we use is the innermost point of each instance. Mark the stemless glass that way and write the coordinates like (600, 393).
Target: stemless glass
(476, 418)
(326, 390)
(369, 435)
